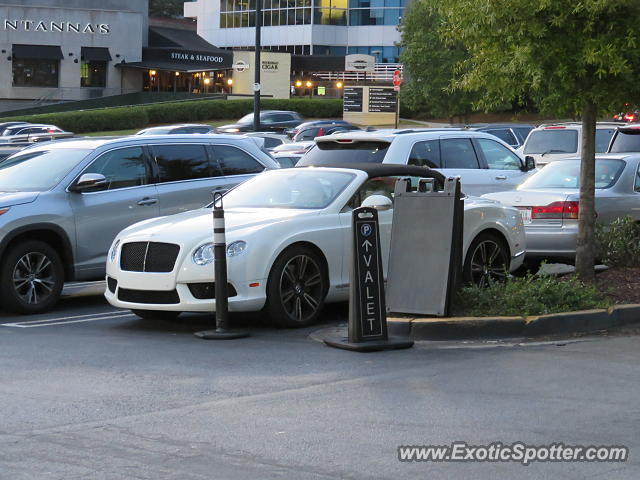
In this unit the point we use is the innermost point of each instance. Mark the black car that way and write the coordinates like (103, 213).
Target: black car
(292, 132)
(313, 131)
(512, 133)
(270, 121)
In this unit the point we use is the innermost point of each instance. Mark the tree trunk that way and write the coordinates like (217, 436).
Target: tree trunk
(585, 245)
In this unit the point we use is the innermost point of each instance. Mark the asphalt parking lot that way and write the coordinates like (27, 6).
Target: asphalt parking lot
(88, 391)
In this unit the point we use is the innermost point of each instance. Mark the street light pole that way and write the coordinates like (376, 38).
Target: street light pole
(256, 86)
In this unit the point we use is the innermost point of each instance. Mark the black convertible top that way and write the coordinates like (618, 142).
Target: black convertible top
(388, 170)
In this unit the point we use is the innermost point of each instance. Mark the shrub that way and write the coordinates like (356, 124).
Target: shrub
(618, 244)
(530, 295)
(122, 118)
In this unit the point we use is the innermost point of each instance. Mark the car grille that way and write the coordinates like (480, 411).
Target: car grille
(148, 296)
(148, 256)
(206, 291)
(112, 283)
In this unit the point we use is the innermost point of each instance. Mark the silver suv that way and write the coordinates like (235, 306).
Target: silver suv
(62, 203)
(483, 162)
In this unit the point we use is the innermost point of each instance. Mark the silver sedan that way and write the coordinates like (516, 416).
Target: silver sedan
(548, 202)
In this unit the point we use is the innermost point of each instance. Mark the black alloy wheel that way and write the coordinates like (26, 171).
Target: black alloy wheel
(296, 288)
(31, 277)
(487, 261)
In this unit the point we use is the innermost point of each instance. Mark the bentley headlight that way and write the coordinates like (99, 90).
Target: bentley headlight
(203, 254)
(114, 251)
(236, 248)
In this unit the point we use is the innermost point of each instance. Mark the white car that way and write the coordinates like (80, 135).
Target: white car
(288, 236)
(483, 162)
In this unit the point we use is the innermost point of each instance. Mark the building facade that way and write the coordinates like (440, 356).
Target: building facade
(304, 27)
(56, 50)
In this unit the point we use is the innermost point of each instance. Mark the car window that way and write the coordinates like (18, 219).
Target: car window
(498, 156)
(425, 154)
(552, 141)
(234, 161)
(327, 153)
(626, 141)
(636, 184)
(123, 167)
(281, 117)
(286, 162)
(458, 153)
(308, 134)
(603, 137)
(374, 186)
(181, 162)
(198, 130)
(270, 142)
(504, 134)
(523, 131)
(566, 174)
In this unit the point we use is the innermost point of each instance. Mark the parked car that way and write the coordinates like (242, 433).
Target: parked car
(5, 125)
(549, 202)
(483, 162)
(625, 139)
(177, 129)
(8, 150)
(513, 134)
(288, 236)
(271, 140)
(310, 130)
(270, 120)
(558, 141)
(287, 159)
(297, 148)
(23, 132)
(62, 203)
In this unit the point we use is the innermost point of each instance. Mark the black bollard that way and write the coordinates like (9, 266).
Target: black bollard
(222, 331)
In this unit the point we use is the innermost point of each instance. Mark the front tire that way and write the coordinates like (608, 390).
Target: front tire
(165, 315)
(296, 288)
(487, 261)
(31, 278)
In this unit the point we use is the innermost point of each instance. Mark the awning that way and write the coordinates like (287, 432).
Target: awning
(180, 38)
(53, 52)
(98, 54)
(169, 66)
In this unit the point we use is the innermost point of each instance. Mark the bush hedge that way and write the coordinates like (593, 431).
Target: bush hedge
(140, 116)
(618, 244)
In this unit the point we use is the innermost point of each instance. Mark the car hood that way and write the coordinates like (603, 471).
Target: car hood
(197, 224)
(532, 198)
(9, 199)
(232, 125)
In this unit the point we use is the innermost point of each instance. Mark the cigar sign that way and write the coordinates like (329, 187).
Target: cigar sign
(368, 274)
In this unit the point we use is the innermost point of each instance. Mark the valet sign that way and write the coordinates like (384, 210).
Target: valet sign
(368, 275)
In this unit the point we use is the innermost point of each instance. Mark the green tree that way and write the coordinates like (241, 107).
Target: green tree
(166, 8)
(429, 64)
(576, 57)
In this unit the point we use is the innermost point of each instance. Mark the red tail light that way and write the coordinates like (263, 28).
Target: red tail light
(567, 210)
(320, 131)
(630, 117)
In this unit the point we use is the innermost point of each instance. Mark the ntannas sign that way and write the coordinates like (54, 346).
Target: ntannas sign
(56, 26)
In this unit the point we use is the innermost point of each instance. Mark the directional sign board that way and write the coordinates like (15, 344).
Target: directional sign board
(368, 277)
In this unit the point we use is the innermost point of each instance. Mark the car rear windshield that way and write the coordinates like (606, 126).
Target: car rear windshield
(40, 170)
(328, 153)
(627, 140)
(552, 141)
(566, 174)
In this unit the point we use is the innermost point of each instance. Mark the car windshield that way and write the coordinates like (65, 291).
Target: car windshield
(305, 189)
(36, 171)
(566, 174)
(327, 153)
(155, 131)
(627, 140)
(552, 141)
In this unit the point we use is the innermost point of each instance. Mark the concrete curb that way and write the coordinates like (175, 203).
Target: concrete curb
(459, 328)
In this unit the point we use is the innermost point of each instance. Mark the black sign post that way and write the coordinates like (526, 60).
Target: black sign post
(222, 331)
(367, 311)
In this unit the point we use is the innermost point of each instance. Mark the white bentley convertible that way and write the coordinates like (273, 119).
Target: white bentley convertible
(289, 241)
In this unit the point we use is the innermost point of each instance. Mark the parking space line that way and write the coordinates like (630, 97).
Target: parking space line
(71, 319)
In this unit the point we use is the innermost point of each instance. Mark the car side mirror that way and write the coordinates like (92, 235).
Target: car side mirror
(529, 163)
(90, 181)
(379, 202)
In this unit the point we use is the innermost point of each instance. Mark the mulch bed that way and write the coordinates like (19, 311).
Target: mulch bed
(620, 285)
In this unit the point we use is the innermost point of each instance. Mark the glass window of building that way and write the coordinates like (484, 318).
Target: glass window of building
(35, 72)
(93, 74)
